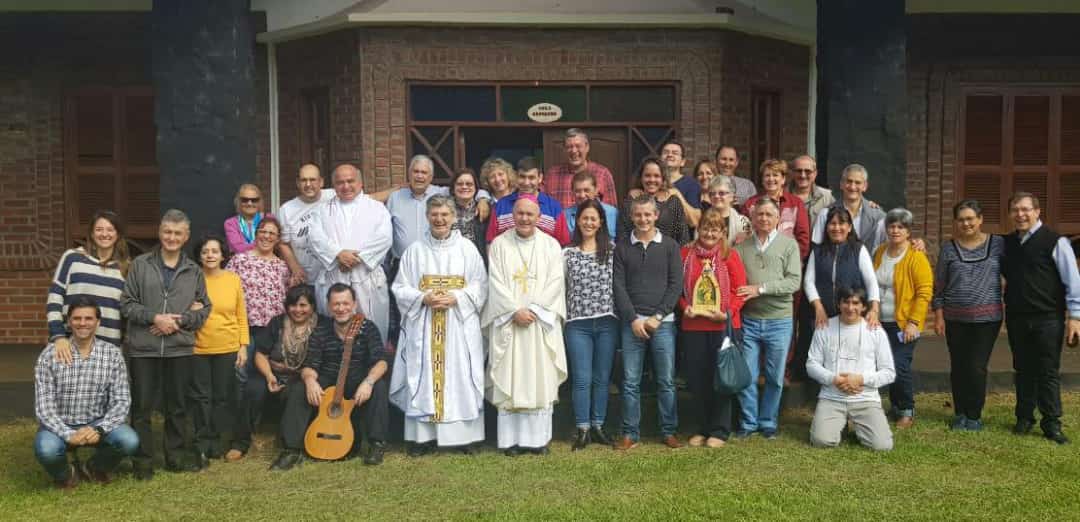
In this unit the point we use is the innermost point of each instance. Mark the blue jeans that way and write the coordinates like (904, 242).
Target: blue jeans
(51, 451)
(902, 390)
(773, 338)
(662, 345)
(248, 370)
(590, 345)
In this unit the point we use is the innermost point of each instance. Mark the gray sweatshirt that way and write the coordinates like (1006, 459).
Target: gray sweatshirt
(147, 294)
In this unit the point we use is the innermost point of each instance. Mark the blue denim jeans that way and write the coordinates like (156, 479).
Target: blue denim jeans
(771, 337)
(590, 346)
(51, 451)
(902, 390)
(248, 370)
(662, 346)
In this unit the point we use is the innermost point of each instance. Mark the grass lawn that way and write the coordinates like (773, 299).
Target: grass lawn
(931, 475)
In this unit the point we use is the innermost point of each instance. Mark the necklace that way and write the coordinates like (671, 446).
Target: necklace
(294, 343)
(522, 276)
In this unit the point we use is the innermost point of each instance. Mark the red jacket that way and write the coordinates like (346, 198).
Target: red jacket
(736, 278)
(794, 220)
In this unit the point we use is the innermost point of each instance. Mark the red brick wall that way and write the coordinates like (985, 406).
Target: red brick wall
(367, 70)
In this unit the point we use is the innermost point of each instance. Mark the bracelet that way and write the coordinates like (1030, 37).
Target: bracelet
(100, 431)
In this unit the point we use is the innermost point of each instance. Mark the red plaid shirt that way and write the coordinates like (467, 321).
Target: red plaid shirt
(559, 183)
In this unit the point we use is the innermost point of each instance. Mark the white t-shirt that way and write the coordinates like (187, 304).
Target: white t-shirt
(295, 216)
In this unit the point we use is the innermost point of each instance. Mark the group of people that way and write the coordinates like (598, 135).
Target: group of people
(503, 285)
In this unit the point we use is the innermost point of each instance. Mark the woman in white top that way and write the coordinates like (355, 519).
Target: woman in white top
(841, 262)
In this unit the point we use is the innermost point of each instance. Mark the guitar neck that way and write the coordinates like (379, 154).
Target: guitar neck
(346, 357)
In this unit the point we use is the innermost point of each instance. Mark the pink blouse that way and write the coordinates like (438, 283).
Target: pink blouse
(265, 283)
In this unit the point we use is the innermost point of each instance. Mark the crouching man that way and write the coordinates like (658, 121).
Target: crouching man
(82, 403)
(851, 362)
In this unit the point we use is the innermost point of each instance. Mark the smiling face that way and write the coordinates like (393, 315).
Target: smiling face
(440, 220)
(805, 173)
(728, 160)
(644, 216)
(721, 198)
(250, 202)
(499, 181)
(705, 173)
(772, 182)
(710, 236)
(968, 223)
(851, 310)
(173, 236)
(347, 183)
(672, 156)
(267, 237)
(652, 178)
(342, 306)
(1024, 214)
(210, 256)
(83, 322)
(526, 212)
(419, 176)
(853, 186)
(577, 151)
(897, 233)
(766, 217)
(588, 223)
(584, 190)
(838, 229)
(529, 181)
(465, 187)
(104, 234)
(301, 311)
(309, 182)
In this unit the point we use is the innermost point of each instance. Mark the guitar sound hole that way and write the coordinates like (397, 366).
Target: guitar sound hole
(329, 436)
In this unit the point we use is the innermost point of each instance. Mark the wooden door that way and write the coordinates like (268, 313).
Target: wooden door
(606, 146)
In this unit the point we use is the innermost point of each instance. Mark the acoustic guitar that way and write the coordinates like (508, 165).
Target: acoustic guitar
(330, 435)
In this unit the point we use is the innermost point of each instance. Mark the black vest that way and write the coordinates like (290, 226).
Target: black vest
(847, 273)
(1033, 282)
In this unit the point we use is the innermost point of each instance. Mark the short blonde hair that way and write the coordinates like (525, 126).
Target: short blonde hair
(493, 164)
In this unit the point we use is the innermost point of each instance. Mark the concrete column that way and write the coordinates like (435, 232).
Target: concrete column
(203, 73)
(862, 94)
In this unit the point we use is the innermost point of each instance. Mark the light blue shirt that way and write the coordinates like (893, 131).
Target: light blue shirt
(1066, 267)
(408, 213)
(611, 214)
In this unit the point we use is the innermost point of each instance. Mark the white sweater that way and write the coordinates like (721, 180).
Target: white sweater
(841, 348)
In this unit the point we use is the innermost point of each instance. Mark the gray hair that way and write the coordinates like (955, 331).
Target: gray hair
(900, 215)
(722, 181)
(176, 217)
(766, 200)
(421, 158)
(575, 132)
(439, 200)
(643, 200)
(855, 167)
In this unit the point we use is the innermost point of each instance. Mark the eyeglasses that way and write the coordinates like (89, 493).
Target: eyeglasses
(803, 171)
(249, 200)
(719, 193)
(269, 233)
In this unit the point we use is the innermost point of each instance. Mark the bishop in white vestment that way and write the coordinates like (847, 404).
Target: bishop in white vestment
(438, 378)
(525, 310)
(350, 236)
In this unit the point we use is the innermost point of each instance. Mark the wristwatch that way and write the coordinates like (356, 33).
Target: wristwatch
(658, 317)
(761, 290)
(100, 431)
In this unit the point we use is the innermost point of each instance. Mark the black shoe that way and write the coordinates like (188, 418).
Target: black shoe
(542, 450)
(581, 439)
(143, 471)
(183, 465)
(203, 460)
(89, 472)
(597, 435)
(375, 453)
(513, 451)
(466, 449)
(1023, 426)
(68, 483)
(287, 460)
(1056, 436)
(420, 449)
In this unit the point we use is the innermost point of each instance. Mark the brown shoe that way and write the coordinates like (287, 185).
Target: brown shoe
(234, 455)
(714, 442)
(71, 481)
(626, 443)
(696, 441)
(904, 423)
(88, 472)
(672, 442)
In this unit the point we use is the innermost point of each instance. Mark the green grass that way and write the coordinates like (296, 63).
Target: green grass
(932, 474)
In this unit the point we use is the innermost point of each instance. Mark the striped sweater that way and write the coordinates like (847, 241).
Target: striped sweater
(80, 274)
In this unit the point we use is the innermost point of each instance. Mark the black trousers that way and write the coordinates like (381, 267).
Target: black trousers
(253, 400)
(1036, 348)
(804, 334)
(164, 383)
(700, 349)
(371, 420)
(970, 345)
(213, 399)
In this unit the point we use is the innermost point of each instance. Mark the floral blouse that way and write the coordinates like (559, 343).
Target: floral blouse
(265, 283)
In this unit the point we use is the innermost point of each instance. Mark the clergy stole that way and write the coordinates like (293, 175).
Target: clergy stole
(439, 284)
(526, 364)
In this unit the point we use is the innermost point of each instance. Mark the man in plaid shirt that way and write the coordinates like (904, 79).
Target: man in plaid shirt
(559, 179)
(83, 403)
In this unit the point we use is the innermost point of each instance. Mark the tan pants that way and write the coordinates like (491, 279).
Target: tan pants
(871, 426)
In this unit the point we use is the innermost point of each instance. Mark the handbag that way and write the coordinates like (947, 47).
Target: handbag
(732, 372)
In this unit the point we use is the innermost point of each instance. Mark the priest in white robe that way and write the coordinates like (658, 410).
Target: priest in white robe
(438, 378)
(525, 310)
(350, 236)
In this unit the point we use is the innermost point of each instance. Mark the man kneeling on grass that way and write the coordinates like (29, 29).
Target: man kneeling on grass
(851, 362)
(82, 403)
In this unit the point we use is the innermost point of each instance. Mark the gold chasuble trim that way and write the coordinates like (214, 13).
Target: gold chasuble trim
(440, 284)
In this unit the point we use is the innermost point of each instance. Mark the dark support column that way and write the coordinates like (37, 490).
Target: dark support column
(203, 70)
(862, 93)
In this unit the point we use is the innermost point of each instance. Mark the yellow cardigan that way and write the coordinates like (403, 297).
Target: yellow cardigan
(913, 285)
(226, 329)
